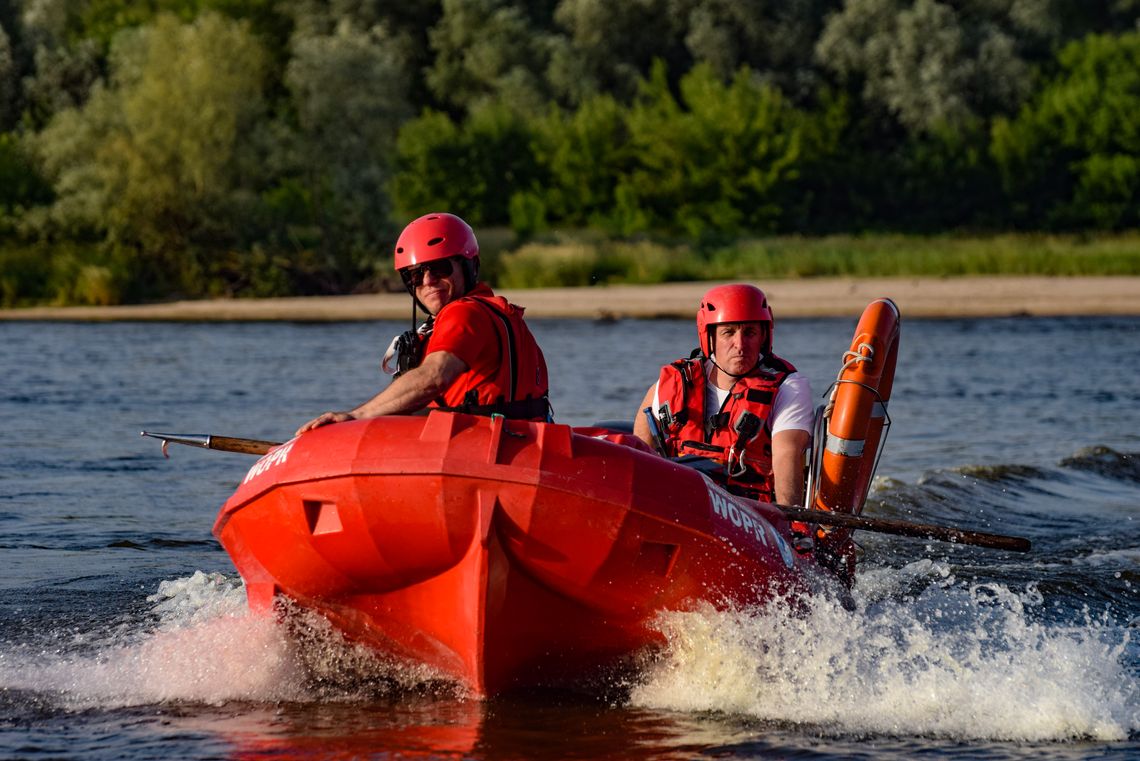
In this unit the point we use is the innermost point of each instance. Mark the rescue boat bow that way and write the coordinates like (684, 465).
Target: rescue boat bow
(502, 553)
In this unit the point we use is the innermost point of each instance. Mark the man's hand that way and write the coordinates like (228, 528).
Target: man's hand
(409, 393)
(326, 419)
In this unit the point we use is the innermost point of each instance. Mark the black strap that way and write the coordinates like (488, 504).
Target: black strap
(714, 423)
(759, 397)
(516, 409)
(702, 446)
(512, 353)
(519, 409)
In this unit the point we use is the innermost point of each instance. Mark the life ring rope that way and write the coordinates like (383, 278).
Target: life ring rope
(851, 358)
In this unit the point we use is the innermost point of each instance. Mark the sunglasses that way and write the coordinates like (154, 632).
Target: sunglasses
(440, 268)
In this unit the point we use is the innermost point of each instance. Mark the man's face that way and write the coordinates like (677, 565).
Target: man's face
(437, 283)
(737, 345)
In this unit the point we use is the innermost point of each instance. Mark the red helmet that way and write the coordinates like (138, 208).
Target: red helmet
(732, 303)
(435, 236)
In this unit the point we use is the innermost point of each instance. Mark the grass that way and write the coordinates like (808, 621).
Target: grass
(575, 260)
(66, 274)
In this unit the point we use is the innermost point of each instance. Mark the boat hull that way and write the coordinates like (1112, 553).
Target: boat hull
(502, 554)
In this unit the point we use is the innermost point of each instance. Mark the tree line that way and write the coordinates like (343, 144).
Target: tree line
(253, 147)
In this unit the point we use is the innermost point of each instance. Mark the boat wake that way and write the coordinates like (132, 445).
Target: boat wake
(958, 660)
(927, 651)
(199, 644)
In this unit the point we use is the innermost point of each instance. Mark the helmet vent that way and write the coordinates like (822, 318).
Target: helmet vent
(435, 241)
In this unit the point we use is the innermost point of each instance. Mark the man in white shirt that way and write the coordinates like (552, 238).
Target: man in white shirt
(735, 402)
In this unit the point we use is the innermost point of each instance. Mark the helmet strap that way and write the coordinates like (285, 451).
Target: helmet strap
(742, 375)
(470, 268)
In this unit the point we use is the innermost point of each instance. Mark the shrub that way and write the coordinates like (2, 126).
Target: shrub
(1069, 159)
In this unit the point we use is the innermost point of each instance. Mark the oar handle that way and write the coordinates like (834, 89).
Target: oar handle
(242, 446)
(218, 443)
(905, 528)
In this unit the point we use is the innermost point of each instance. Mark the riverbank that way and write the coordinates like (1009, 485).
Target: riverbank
(816, 297)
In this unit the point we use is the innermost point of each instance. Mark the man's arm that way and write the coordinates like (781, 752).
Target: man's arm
(640, 424)
(411, 392)
(788, 448)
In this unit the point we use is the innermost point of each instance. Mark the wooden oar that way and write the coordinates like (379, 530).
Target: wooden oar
(820, 517)
(219, 443)
(906, 528)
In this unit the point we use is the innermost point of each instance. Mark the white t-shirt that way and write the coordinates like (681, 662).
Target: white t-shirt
(792, 409)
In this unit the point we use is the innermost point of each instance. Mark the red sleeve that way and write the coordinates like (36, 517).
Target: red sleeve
(464, 328)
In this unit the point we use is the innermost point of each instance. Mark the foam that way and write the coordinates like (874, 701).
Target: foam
(958, 660)
(203, 648)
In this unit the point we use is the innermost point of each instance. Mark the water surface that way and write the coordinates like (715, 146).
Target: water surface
(123, 631)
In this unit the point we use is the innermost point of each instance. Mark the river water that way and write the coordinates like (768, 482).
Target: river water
(123, 632)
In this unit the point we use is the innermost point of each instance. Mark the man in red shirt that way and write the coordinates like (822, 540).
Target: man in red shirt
(475, 354)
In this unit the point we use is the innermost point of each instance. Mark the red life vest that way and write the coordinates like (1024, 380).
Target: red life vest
(730, 437)
(519, 389)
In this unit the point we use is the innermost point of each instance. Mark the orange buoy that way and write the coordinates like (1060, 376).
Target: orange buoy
(855, 419)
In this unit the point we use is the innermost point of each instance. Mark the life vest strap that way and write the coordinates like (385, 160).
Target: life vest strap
(537, 408)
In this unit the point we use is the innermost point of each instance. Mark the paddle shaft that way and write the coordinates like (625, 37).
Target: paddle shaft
(906, 528)
(821, 517)
(242, 446)
(217, 443)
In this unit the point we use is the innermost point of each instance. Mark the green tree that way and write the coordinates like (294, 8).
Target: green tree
(9, 86)
(20, 186)
(930, 64)
(773, 38)
(720, 160)
(160, 160)
(1071, 158)
(405, 27)
(582, 155)
(62, 71)
(101, 20)
(487, 50)
(471, 168)
(350, 98)
(63, 78)
(609, 47)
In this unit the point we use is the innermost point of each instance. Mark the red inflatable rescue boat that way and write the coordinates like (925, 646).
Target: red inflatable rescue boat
(503, 554)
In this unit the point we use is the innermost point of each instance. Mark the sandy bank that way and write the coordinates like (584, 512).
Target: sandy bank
(916, 297)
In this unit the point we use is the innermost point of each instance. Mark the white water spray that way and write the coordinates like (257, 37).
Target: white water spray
(957, 661)
(203, 647)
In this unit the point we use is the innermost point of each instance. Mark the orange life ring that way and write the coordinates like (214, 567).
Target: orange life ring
(856, 411)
